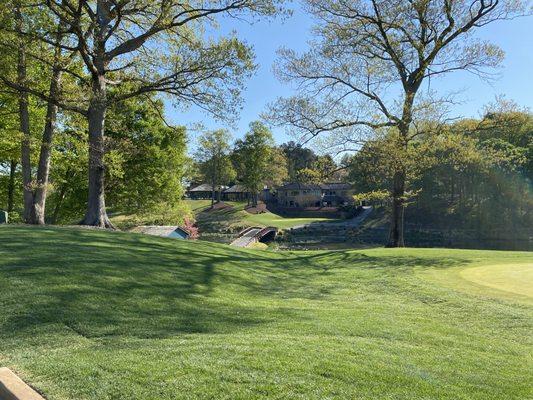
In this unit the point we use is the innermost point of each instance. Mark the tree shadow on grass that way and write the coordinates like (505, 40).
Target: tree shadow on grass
(101, 285)
(320, 274)
(138, 286)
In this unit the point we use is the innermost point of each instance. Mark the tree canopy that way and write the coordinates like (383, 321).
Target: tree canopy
(366, 65)
(213, 156)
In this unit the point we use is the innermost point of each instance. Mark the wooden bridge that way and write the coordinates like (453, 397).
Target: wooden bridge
(255, 234)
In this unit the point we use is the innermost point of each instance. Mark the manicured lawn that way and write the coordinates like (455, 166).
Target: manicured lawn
(278, 221)
(239, 216)
(517, 279)
(93, 315)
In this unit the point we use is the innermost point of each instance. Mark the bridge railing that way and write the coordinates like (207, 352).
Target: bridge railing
(246, 230)
(265, 231)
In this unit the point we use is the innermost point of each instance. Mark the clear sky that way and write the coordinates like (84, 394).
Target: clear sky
(515, 77)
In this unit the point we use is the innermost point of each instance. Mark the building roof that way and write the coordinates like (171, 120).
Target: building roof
(322, 186)
(299, 186)
(236, 189)
(335, 186)
(163, 231)
(205, 187)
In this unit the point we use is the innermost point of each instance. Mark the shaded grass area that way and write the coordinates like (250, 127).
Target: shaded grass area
(88, 314)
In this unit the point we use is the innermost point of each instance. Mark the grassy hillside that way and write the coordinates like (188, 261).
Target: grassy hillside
(95, 315)
(237, 216)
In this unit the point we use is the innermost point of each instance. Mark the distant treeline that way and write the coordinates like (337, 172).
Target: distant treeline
(473, 174)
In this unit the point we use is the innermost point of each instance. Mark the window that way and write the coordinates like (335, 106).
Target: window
(295, 193)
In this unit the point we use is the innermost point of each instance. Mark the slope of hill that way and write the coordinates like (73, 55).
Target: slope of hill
(87, 314)
(223, 225)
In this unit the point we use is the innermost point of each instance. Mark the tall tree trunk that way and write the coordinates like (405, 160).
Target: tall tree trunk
(43, 169)
(11, 186)
(24, 119)
(396, 236)
(96, 214)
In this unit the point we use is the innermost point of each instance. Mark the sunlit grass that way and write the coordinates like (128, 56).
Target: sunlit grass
(238, 215)
(88, 314)
(197, 205)
(270, 219)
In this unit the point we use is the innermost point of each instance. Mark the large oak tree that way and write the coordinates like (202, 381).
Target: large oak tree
(367, 64)
(257, 161)
(136, 47)
(26, 63)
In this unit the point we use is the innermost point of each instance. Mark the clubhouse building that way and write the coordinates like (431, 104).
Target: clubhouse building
(290, 195)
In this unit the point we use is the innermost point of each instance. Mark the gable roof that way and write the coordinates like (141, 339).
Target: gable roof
(299, 186)
(205, 187)
(236, 189)
(335, 186)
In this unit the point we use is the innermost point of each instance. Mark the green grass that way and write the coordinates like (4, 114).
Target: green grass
(197, 205)
(87, 314)
(239, 217)
(514, 279)
(278, 221)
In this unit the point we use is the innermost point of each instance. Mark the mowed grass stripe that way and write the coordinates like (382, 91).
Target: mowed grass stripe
(96, 315)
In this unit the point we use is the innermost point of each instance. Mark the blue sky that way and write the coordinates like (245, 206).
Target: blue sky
(515, 81)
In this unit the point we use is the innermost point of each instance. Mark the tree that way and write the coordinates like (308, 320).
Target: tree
(40, 189)
(215, 163)
(66, 200)
(325, 166)
(506, 120)
(372, 168)
(469, 176)
(278, 168)
(145, 158)
(298, 157)
(29, 61)
(144, 165)
(253, 157)
(24, 117)
(308, 175)
(366, 50)
(9, 145)
(132, 48)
